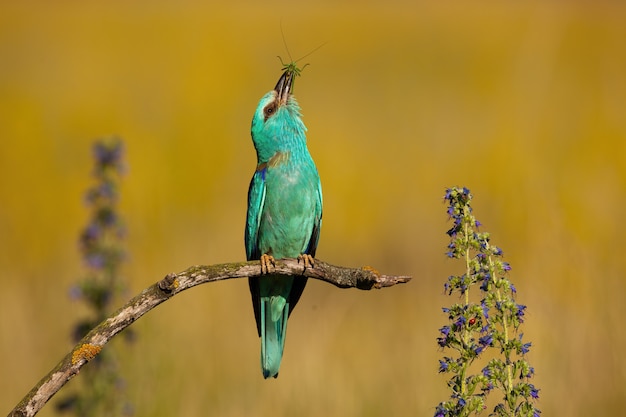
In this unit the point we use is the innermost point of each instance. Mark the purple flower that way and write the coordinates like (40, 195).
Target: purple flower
(506, 266)
(443, 340)
(485, 309)
(460, 322)
(524, 347)
(443, 366)
(534, 392)
(486, 340)
(484, 286)
(440, 411)
(520, 312)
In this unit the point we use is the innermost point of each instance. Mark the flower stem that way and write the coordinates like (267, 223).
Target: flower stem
(468, 269)
(466, 333)
(505, 327)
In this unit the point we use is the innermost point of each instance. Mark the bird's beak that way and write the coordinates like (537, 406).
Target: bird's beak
(284, 86)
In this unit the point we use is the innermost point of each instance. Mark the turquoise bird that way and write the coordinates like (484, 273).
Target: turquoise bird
(284, 214)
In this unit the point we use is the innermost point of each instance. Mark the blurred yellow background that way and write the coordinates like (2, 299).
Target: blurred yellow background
(524, 103)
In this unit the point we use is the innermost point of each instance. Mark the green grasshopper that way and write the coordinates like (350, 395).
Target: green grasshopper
(292, 67)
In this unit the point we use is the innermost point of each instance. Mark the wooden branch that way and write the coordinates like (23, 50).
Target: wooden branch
(88, 348)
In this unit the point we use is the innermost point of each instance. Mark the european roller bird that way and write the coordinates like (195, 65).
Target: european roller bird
(284, 214)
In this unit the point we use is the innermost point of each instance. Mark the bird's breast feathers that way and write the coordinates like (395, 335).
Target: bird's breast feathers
(291, 206)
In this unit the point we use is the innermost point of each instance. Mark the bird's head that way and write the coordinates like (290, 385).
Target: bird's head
(277, 124)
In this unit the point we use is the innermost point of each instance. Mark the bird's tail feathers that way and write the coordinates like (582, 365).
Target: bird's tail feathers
(274, 314)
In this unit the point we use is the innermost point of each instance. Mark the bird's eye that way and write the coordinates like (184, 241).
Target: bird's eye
(269, 110)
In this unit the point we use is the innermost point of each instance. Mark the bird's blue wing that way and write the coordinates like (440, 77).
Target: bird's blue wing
(256, 200)
(317, 223)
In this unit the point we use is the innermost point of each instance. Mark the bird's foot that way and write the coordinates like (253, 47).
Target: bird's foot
(307, 259)
(267, 262)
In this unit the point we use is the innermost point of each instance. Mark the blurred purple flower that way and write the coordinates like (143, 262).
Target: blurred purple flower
(90, 235)
(95, 260)
(108, 154)
(75, 292)
(534, 392)
(520, 312)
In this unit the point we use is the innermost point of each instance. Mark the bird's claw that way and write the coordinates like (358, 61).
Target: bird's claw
(267, 261)
(307, 259)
